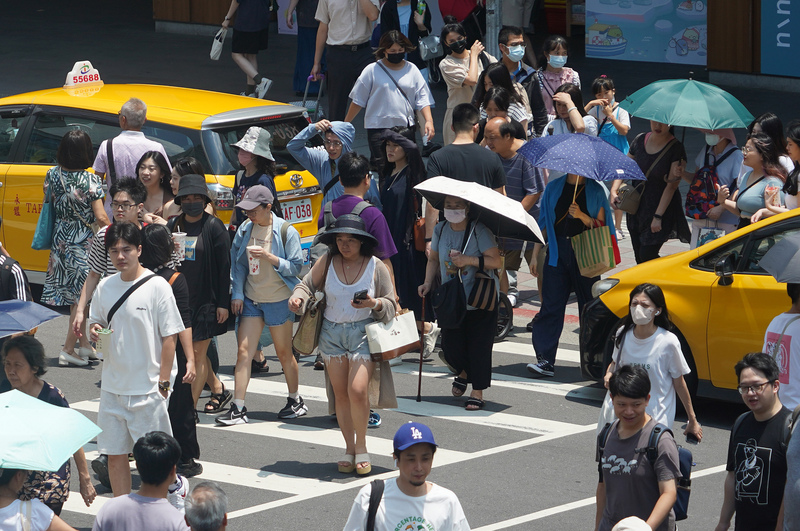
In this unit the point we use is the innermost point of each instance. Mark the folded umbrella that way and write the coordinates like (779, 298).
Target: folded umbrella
(581, 154)
(688, 103)
(39, 435)
(21, 316)
(505, 217)
(782, 261)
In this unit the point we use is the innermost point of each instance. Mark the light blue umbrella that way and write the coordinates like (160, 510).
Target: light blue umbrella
(38, 435)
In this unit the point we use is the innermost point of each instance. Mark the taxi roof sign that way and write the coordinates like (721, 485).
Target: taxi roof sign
(83, 74)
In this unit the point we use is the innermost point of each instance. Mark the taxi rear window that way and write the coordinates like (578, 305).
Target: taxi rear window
(282, 132)
(11, 122)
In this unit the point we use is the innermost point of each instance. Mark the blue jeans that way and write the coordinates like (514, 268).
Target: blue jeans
(561, 281)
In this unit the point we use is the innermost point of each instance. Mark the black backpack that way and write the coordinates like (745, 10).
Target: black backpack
(8, 284)
(685, 464)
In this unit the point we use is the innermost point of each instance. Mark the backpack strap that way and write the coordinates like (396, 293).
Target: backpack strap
(284, 232)
(777, 345)
(112, 170)
(602, 438)
(173, 278)
(374, 501)
(724, 156)
(360, 207)
(651, 451)
(792, 424)
(327, 217)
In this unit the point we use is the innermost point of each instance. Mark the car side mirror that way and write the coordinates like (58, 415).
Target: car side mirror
(724, 269)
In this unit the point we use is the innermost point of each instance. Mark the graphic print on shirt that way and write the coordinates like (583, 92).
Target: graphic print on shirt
(618, 465)
(752, 473)
(414, 523)
(782, 356)
(191, 248)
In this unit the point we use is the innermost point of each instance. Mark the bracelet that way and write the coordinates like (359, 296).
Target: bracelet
(574, 108)
(427, 239)
(377, 302)
(657, 216)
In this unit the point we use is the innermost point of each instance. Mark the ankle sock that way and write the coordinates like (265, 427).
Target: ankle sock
(250, 89)
(294, 396)
(239, 403)
(258, 78)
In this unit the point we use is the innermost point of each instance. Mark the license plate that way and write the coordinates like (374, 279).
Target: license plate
(297, 211)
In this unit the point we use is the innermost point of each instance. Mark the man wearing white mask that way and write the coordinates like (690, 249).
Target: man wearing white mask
(513, 45)
(722, 156)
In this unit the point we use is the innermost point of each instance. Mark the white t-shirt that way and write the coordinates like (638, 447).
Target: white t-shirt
(788, 356)
(384, 106)
(560, 127)
(132, 366)
(661, 355)
(439, 510)
(41, 516)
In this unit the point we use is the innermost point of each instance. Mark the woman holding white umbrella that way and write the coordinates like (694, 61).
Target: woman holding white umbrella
(462, 247)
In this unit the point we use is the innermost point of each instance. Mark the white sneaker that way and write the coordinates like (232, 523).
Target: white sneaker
(620, 234)
(512, 299)
(394, 362)
(176, 495)
(263, 87)
(430, 341)
(65, 359)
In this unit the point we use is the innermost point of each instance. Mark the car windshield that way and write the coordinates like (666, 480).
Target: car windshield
(226, 160)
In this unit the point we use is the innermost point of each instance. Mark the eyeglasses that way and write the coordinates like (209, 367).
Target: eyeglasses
(747, 150)
(756, 388)
(333, 143)
(121, 206)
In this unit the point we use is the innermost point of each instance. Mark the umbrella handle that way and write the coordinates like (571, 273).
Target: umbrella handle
(421, 352)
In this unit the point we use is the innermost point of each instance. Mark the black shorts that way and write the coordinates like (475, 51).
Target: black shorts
(250, 41)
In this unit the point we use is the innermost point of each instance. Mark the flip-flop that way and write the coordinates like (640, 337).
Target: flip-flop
(347, 469)
(476, 403)
(363, 458)
(459, 387)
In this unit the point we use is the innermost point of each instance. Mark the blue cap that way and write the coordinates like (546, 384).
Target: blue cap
(412, 433)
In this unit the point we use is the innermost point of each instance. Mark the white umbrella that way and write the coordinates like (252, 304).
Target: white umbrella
(504, 216)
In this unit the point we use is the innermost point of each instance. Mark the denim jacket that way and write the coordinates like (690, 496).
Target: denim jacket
(290, 256)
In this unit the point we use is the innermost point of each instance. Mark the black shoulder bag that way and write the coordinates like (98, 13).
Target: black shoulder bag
(125, 297)
(449, 300)
(112, 171)
(374, 501)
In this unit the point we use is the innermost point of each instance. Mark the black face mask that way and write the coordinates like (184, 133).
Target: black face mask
(395, 58)
(193, 209)
(458, 46)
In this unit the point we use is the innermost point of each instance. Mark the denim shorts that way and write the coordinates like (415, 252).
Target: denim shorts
(273, 313)
(344, 339)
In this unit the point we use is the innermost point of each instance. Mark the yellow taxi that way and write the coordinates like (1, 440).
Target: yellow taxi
(718, 297)
(188, 122)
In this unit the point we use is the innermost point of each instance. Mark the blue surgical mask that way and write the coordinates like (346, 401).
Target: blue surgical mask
(516, 53)
(557, 61)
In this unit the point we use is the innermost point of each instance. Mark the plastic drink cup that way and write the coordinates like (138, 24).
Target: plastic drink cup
(180, 243)
(771, 193)
(103, 345)
(255, 263)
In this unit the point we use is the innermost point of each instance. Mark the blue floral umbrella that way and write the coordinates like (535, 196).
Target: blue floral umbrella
(38, 435)
(581, 154)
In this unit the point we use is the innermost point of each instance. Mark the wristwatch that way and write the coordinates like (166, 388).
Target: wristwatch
(657, 216)
(163, 385)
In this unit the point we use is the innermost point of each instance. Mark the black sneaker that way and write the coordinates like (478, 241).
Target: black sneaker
(100, 467)
(190, 468)
(293, 409)
(233, 416)
(542, 368)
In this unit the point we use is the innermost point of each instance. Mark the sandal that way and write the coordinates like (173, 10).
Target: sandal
(363, 458)
(258, 366)
(218, 401)
(319, 365)
(351, 464)
(474, 404)
(459, 387)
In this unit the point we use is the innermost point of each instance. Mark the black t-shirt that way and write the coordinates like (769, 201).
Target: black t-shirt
(566, 226)
(758, 459)
(468, 162)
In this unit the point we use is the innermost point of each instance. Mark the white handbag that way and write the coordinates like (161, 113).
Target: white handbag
(390, 340)
(216, 46)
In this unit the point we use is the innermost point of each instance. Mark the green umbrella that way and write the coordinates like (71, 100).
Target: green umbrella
(38, 435)
(687, 103)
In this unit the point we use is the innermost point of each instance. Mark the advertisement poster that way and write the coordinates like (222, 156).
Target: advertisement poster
(779, 38)
(657, 31)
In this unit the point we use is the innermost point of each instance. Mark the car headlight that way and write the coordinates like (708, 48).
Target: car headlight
(601, 286)
(222, 196)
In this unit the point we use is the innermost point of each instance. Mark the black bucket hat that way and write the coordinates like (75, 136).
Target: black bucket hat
(192, 184)
(346, 224)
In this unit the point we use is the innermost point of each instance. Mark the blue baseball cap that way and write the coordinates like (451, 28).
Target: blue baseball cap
(412, 433)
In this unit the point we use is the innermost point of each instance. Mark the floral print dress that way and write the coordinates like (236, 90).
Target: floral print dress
(72, 193)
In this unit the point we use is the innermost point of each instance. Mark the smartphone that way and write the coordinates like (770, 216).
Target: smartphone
(360, 295)
(691, 439)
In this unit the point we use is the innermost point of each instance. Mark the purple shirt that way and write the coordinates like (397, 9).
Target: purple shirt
(127, 148)
(373, 219)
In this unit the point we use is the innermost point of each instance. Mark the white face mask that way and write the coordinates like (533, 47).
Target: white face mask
(455, 215)
(712, 139)
(641, 315)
